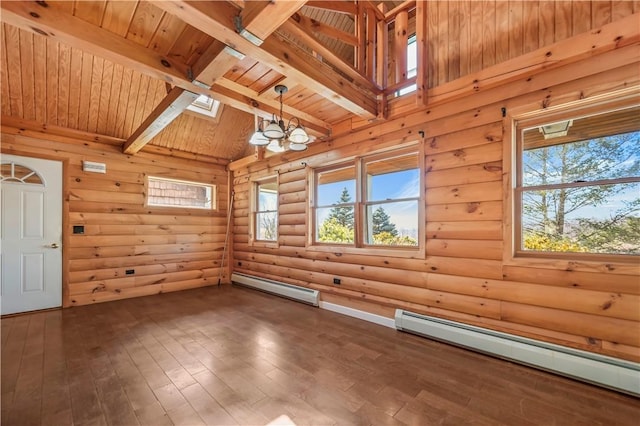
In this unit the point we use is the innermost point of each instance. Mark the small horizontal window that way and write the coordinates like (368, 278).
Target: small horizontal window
(162, 192)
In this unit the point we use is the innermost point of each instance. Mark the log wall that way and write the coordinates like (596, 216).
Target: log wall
(468, 273)
(168, 248)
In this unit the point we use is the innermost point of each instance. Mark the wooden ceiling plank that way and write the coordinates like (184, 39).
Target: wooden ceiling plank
(40, 77)
(345, 7)
(53, 66)
(117, 16)
(168, 32)
(171, 106)
(28, 77)
(90, 11)
(144, 23)
(276, 53)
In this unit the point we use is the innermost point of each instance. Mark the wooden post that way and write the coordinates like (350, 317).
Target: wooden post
(371, 44)
(400, 45)
(422, 53)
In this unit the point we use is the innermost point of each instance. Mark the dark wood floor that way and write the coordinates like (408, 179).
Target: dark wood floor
(236, 356)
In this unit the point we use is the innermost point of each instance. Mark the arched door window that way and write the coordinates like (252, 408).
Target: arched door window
(12, 172)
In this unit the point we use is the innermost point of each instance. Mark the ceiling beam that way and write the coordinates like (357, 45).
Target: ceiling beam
(209, 68)
(272, 102)
(312, 26)
(75, 32)
(280, 55)
(164, 113)
(262, 18)
(306, 36)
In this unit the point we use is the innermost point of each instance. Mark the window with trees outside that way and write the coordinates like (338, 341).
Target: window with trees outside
(265, 210)
(372, 201)
(578, 184)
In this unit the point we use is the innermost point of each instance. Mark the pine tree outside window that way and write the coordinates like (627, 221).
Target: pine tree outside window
(370, 202)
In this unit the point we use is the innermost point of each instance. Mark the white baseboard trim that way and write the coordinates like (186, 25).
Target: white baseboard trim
(357, 313)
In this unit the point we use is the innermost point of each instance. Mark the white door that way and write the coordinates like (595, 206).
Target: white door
(31, 229)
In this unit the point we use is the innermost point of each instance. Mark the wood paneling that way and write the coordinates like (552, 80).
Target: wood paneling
(466, 274)
(167, 248)
(63, 86)
(502, 30)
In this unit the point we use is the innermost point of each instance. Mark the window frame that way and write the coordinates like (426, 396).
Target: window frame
(213, 187)
(516, 124)
(359, 246)
(253, 212)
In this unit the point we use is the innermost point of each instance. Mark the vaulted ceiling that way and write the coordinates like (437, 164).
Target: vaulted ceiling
(113, 67)
(128, 69)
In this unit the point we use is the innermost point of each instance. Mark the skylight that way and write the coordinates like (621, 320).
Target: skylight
(205, 105)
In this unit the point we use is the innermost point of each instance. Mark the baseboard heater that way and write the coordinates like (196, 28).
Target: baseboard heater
(289, 291)
(613, 373)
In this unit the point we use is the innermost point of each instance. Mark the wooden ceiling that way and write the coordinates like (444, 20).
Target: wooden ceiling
(119, 68)
(103, 66)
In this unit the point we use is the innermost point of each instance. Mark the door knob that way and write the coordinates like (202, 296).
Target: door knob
(54, 245)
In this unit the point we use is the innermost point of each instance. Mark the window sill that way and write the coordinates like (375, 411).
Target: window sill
(614, 264)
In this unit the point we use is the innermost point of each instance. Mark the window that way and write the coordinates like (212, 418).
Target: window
(578, 184)
(369, 202)
(162, 192)
(265, 210)
(412, 65)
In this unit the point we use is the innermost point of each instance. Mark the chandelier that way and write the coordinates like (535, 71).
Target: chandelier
(275, 135)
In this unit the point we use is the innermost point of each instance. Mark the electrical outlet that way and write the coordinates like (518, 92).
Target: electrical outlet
(336, 281)
(130, 271)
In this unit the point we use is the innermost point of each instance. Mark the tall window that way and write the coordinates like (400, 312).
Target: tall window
(412, 65)
(578, 184)
(265, 210)
(163, 192)
(371, 201)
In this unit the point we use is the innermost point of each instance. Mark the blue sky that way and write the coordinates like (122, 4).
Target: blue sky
(403, 184)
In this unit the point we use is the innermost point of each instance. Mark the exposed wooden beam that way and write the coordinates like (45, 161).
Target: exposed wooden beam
(164, 113)
(214, 63)
(275, 52)
(209, 68)
(312, 26)
(262, 18)
(75, 32)
(407, 5)
(269, 101)
(347, 7)
(316, 45)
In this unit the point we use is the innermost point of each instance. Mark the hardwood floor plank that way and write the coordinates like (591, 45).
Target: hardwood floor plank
(234, 356)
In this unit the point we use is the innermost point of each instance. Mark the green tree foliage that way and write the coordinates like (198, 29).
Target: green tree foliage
(332, 231)
(388, 239)
(343, 214)
(382, 223)
(546, 211)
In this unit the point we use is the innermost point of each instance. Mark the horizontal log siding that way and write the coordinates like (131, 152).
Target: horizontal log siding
(464, 276)
(169, 248)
